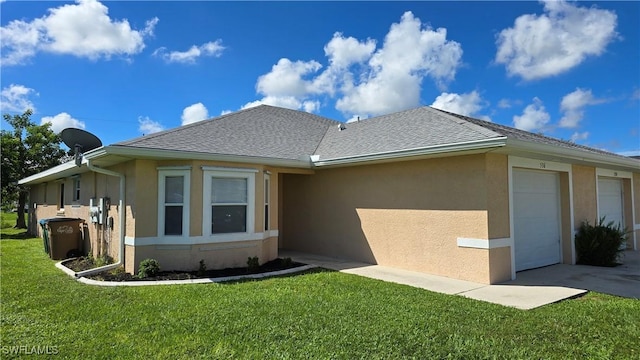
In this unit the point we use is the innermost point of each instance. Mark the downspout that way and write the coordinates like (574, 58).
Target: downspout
(121, 224)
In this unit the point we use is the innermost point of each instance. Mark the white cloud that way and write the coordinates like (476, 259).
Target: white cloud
(573, 104)
(286, 78)
(464, 104)
(579, 136)
(148, 126)
(194, 113)
(635, 95)
(539, 46)
(533, 118)
(409, 54)
(504, 103)
(62, 121)
(15, 98)
(83, 29)
(212, 48)
(366, 81)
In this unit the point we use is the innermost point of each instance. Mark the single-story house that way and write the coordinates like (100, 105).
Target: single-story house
(423, 189)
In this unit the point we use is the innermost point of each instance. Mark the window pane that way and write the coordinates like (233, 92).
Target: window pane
(228, 190)
(266, 217)
(173, 188)
(228, 219)
(173, 220)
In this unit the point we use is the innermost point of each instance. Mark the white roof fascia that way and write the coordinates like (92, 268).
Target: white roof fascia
(49, 172)
(187, 155)
(574, 154)
(429, 150)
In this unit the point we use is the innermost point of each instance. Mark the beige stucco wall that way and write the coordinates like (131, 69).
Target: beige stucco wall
(215, 255)
(584, 194)
(497, 185)
(404, 214)
(628, 210)
(98, 239)
(142, 215)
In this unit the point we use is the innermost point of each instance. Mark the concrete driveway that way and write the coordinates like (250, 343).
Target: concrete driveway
(531, 289)
(623, 280)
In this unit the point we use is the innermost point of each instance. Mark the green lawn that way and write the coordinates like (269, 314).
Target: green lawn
(317, 315)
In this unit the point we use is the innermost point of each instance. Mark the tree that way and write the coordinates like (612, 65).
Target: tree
(27, 150)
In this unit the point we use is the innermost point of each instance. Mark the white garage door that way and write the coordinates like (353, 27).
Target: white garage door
(610, 201)
(536, 215)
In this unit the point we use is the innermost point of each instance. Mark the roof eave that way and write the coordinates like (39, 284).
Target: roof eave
(417, 152)
(162, 154)
(575, 155)
(56, 172)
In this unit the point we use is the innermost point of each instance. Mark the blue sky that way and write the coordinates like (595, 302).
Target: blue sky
(122, 69)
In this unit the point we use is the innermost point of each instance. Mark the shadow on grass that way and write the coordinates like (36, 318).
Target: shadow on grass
(301, 273)
(15, 234)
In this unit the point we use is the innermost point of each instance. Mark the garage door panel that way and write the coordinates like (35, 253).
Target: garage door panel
(610, 200)
(536, 218)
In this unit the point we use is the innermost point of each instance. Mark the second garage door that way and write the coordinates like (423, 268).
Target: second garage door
(536, 215)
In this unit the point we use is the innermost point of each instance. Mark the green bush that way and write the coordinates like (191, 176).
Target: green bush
(148, 267)
(202, 268)
(253, 264)
(599, 244)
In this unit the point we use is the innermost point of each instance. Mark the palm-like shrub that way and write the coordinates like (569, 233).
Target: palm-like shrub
(599, 244)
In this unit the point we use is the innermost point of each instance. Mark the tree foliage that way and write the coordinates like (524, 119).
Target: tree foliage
(27, 150)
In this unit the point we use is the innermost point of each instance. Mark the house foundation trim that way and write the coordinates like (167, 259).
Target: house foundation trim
(197, 240)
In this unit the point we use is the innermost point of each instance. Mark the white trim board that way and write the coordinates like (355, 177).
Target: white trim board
(485, 244)
(542, 165)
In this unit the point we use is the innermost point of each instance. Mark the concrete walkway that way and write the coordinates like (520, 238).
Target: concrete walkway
(531, 289)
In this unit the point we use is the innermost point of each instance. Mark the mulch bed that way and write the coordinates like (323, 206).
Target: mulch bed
(118, 274)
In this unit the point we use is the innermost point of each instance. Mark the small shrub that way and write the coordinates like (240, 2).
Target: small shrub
(599, 244)
(202, 268)
(102, 260)
(119, 271)
(148, 267)
(287, 262)
(253, 264)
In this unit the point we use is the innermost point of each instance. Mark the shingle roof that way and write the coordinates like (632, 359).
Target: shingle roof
(262, 131)
(512, 133)
(410, 129)
(278, 133)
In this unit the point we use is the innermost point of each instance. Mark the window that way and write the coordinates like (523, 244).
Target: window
(228, 201)
(173, 201)
(61, 203)
(228, 205)
(76, 189)
(267, 197)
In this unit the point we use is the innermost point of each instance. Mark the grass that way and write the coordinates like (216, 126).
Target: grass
(315, 315)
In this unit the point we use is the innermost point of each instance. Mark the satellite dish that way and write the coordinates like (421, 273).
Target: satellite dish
(80, 141)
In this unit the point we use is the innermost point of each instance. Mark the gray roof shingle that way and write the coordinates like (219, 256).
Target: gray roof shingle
(513, 133)
(410, 129)
(278, 133)
(262, 131)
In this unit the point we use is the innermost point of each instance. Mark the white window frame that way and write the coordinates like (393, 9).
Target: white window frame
(163, 173)
(76, 188)
(267, 201)
(217, 172)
